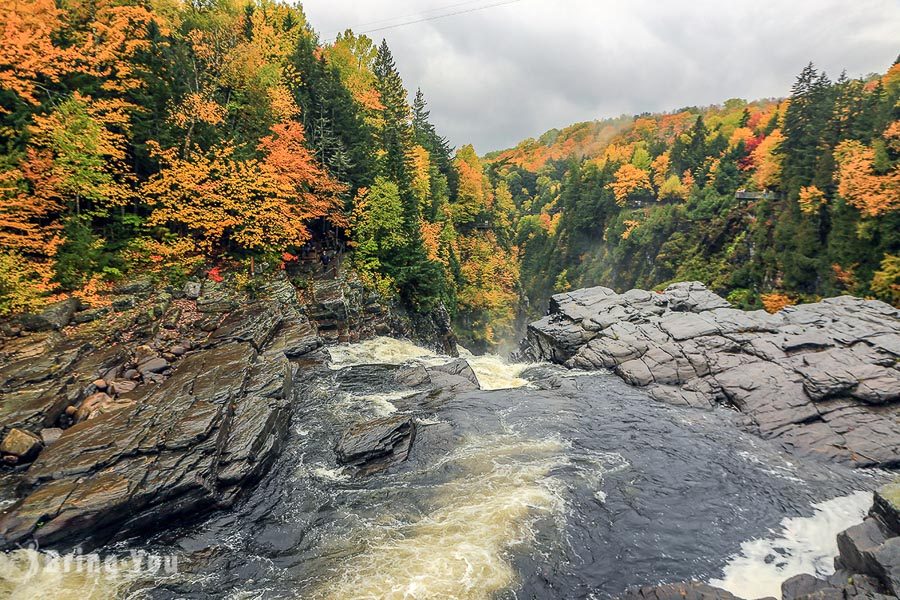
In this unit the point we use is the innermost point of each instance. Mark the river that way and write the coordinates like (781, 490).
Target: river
(546, 484)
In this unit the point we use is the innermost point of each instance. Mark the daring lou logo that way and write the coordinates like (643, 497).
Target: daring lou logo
(29, 562)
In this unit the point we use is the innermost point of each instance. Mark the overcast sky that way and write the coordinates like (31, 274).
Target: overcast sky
(496, 76)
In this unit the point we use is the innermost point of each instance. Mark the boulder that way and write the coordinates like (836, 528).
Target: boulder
(679, 591)
(123, 303)
(216, 298)
(886, 507)
(803, 585)
(136, 287)
(375, 445)
(122, 386)
(24, 445)
(192, 290)
(98, 404)
(87, 316)
(153, 365)
(53, 317)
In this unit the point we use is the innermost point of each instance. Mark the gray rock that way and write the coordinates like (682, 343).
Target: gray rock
(377, 444)
(53, 317)
(50, 435)
(136, 287)
(123, 303)
(217, 298)
(802, 586)
(190, 444)
(886, 507)
(153, 365)
(87, 316)
(856, 544)
(679, 591)
(192, 290)
(822, 379)
(885, 564)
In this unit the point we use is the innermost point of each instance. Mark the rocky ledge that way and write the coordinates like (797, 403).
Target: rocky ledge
(868, 565)
(162, 405)
(166, 407)
(822, 379)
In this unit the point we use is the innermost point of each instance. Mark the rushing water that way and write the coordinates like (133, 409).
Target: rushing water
(547, 484)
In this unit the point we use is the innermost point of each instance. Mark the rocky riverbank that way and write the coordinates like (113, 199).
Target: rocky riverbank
(161, 405)
(868, 564)
(822, 379)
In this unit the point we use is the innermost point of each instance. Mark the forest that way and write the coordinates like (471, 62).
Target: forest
(769, 203)
(177, 138)
(182, 139)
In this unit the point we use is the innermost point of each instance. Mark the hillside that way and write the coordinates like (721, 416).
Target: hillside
(224, 138)
(768, 202)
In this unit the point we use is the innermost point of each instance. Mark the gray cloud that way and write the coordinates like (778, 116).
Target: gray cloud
(496, 76)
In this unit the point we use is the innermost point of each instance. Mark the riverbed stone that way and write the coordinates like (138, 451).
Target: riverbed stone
(822, 379)
(375, 445)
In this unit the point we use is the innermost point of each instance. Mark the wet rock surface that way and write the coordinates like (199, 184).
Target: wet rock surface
(163, 405)
(821, 378)
(375, 445)
(679, 591)
(145, 419)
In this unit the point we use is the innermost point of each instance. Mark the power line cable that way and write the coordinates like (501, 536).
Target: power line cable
(433, 18)
(411, 15)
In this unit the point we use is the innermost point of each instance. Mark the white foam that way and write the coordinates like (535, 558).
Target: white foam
(495, 373)
(458, 548)
(801, 545)
(26, 574)
(379, 350)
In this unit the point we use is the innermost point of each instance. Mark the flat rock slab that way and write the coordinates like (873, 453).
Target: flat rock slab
(375, 445)
(820, 378)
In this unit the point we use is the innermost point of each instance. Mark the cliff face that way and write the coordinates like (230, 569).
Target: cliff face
(161, 406)
(820, 378)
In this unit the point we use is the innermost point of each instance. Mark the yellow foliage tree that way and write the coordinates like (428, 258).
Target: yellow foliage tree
(629, 180)
(256, 204)
(811, 199)
(858, 183)
(768, 161)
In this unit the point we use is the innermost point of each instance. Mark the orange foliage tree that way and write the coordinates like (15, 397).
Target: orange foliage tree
(629, 180)
(257, 204)
(858, 183)
(774, 302)
(768, 161)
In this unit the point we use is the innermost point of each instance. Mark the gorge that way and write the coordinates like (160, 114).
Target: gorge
(476, 477)
(266, 333)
